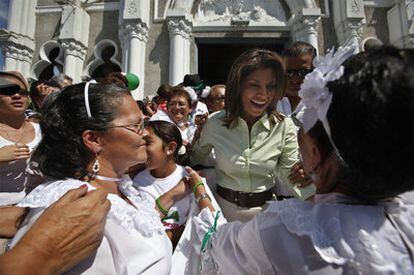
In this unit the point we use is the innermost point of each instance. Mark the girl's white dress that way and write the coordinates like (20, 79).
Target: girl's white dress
(152, 187)
(134, 239)
(335, 235)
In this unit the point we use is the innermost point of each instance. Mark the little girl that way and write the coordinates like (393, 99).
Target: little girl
(164, 144)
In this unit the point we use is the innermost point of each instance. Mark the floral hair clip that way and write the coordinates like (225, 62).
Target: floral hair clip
(314, 93)
(206, 91)
(193, 96)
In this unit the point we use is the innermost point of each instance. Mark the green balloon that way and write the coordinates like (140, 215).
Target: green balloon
(133, 81)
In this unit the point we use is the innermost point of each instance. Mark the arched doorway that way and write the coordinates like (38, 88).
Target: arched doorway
(216, 55)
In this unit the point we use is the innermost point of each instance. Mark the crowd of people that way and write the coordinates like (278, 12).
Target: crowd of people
(298, 164)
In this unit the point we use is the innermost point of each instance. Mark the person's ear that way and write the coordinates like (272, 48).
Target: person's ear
(170, 148)
(92, 140)
(316, 156)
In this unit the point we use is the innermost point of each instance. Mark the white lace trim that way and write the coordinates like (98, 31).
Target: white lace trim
(142, 218)
(341, 233)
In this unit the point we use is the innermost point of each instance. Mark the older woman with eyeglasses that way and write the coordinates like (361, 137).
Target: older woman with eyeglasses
(92, 134)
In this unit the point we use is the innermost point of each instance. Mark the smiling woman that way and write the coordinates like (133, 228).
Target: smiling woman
(255, 146)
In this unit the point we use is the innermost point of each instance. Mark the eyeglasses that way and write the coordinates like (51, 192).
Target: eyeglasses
(217, 100)
(176, 103)
(14, 90)
(137, 128)
(300, 72)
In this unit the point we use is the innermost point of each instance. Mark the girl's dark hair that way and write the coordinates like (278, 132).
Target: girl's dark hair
(167, 132)
(372, 125)
(243, 66)
(61, 152)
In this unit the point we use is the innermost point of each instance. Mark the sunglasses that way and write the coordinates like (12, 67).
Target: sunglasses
(300, 72)
(12, 90)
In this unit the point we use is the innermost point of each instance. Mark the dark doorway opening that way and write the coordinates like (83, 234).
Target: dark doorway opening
(216, 55)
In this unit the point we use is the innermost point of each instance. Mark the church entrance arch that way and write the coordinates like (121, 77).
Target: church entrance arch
(216, 55)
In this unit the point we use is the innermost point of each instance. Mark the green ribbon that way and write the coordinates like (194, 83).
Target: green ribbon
(209, 234)
(199, 86)
(174, 215)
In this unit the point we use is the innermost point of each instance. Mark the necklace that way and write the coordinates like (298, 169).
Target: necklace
(108, 178)
(19, 138)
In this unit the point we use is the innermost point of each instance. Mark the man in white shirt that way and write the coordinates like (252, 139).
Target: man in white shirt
(298, 59)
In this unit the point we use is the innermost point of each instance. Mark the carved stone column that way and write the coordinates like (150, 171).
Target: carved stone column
(17, 41)
(180, 40)
(401, 24)
(74, 37)
(75, 53)
(134, 20)
(349, 18)
(305, 26)
(133, 37)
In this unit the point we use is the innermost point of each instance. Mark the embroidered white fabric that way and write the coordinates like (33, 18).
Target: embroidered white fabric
(142, 218)
(330, 237)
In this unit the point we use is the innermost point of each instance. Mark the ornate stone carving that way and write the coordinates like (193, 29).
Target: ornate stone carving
(134, 29)
(132, 8)
(238, 10)
(304, 27)
(73, 47)
(17, 46)
(17, 52)
(355, 8)
(350, 29)
(180, 26)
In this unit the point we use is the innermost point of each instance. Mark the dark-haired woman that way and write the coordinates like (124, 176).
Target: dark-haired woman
(360, 156)
(164, 145)
(92, 134)
(255, 146)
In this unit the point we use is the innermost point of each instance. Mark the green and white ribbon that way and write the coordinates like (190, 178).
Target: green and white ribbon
(209, 233)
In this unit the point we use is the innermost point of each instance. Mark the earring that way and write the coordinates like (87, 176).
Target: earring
(95, 167)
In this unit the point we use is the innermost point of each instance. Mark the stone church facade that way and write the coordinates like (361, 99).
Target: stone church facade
(162, 40)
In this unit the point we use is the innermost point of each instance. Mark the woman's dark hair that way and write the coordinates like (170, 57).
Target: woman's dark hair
(242, 67)
(167, 132)
(372, 123)
(180, 91)
(61, 152)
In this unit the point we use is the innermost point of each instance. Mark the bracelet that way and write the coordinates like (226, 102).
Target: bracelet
(197, 185)
(160, 207)
(202, 197)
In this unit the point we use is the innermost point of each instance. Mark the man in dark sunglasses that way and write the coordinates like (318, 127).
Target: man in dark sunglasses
(299, 57)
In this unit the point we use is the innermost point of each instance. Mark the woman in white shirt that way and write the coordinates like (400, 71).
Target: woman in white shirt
(18, 137)
(164, 145)
(360, 158)
(92, 134)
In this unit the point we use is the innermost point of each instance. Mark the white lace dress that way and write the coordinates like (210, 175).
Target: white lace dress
(134, 239)
(332, 236)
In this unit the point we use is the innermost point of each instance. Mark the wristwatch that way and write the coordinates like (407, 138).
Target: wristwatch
(202, 197)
